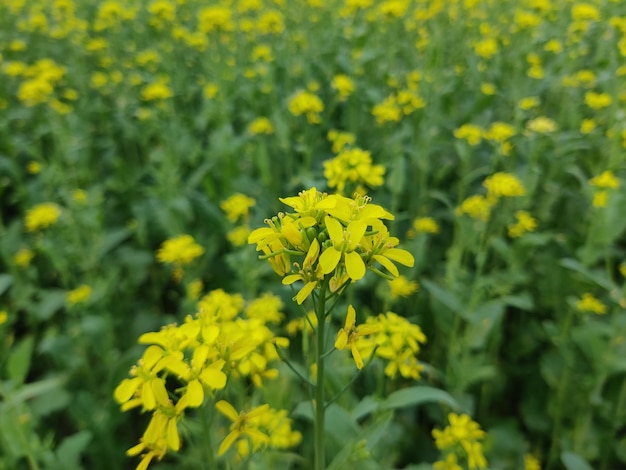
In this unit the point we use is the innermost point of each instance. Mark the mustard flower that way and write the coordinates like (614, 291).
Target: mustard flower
(243, 425)
(307, 103)
(42, 216)
(261, 125)
(402, 287)
(179, 250)
(597, 101)
(155, 91)
(477, 207)
(387, 111)
(349, 336)
(525, 223)
(499, 132)
(587, 126)
(600, 199)
(469, 132)
(23, 257)
(267, 307)
(585, 12)
(449, 464)
(237, 206)
(79, 295)
(33, 167)
(528, 103)
(4, 316)
(425, 225)
(215, 18)
(589, 303)
(355, 166)
(503, 185)
(238, 236)
(340, 140)
(344, 85)
(541, 125)
(605, 180)
(531, 462)
(462, 436)
(486, 48)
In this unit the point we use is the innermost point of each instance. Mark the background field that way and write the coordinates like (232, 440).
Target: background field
(496, 133)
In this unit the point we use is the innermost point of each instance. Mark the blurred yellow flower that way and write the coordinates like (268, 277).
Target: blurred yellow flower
(261, 125)
(239, 235)
(531, 462)
(525, 223)
(477, 207)
(588, 303)
(237, 206)
(541, 125)
(425, 225)
(344, 85)
(156, 91)
(4, 316)
(304, 102)
(470, 132)
(79, 295)
(597, 100)
(499, 132)
(179, 250)
(23, 257)
(605, 180)
(587, 126)
(42, 216)
(210, 90)
(503, 185)
(600, 199)
(402, 287)
(33, 167)
(528, 103)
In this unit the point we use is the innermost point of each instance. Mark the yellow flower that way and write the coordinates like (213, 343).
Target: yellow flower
(387, 111)
(42, 216)
(79, 295)
(349, 335)
(243, 424)
(4, 316)
(605, 180)
(425, 225)
(237, 206)
(355, 166)
(402, 287)
(499, 132)
(528, 103)
(587, 126)
(239, 235)
(33, 167)
(79, 195)
(486, 48)
(449, 464)
(210, 90)
(477, 207)
(304, 102)
(525, 223)
(156, 91)
(597, 100)
(588, 303)
(503, 185)
(471, 133)
(261, 125)
(179, 250)
(531, 462)
(600, 199)
(344, 85)
(23, 257)
(541, 125)
(488, 89)
(340, 139)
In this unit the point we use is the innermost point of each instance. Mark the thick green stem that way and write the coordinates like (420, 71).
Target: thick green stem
(320, 311)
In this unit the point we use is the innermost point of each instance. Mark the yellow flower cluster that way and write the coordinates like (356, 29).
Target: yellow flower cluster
(335, 238)
(79, 295)
(42, 216)
(237, 206)
(395, 340)
(462, 437)
(425, 225)
(589, 303)
(40, 81)
(307, 103)
(261, 125)
(353, 166)
(402, 287)
(344, 86)
(215, 343)
(503, 185)
(23, 257)
(525, 223)
(179, 250)
(340, 139)
(603, 183)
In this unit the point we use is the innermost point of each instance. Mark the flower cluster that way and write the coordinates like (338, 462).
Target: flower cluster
(353, 166)
(237, 209)
(42, 216)
(196, 359)
(335, 238)
(461, 438)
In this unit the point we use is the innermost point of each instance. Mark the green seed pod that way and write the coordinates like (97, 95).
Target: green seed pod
(322, 237)
(311, 233)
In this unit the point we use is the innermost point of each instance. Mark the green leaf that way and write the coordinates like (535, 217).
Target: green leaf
(574, 461)
(418, 395)
(597, 276)
(19, 360)
(449, 299)
(365, 407)
(5, 282)
(51, 301)
(69, 451)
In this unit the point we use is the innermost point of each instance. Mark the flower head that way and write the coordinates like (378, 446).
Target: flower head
(42, 216)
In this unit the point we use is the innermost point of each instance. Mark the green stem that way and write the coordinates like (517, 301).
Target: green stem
(320, 311)
(207, 447)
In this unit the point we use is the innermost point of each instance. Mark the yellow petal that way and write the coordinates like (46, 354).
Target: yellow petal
(350, 318)
(356, 231)
(147, 396)
(287, 280)
(387, 264)
(160, 393)
(126, 389)
(195, 394)
(173, 439)
(355, 267)
(358, 360)
(305, 292)
(227, 442)
(335, 229)
(227, 410)
(400, 256)
(313, 253)
(342, 339)
(213, 378)
(329, 260)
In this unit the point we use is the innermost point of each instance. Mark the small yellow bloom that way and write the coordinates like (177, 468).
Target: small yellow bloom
(210, 90)
(470, 132)
(605, 180)
(597, 100)
(589, 303)
(349, 336)
(304, 102)
(402, 287)
(425, 225)
(23, 257)
(587, 126)
(541, 125)
(600, 199)
(528, 103)
(525, 223)
(33, 167)
(531, 462)
(237, 206)
(42, 216)
(156, 91)
(79, 295)
(79, 195)
(261, 125)
(503, 185)
(477, 207)
(4, 316)
(488, 89)
(179, 250)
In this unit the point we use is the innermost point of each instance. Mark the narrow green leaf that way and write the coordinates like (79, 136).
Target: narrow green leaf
(19, 360)
(574, 461)
(5, 282)
(414, 396)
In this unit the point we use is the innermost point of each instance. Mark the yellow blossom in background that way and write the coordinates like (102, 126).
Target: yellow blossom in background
(503, 185)
(79, 196)
(387, 111)
(350, 334)
(488, 89)
(267, 307)
(344, 85)
(210, 90)
(587, 126)
(33, 167)
(541, 125)
(486, 48)
(450, 463)
(238, 236)
(179, 250)
(470, 132)
(425, 225)
(42, 216)
(597, 100)
(589, 303)
(477, 207)
(402, 287)
(309, 104)
(605, 180)
(499, 132)
(158, 90)
(340, 139)
(79, 295)
(531, 462)
(237, 206)
(194, 289)
(600, 199)
(353, 166)
(622, 269)
(528, 103)
(261, 125)
(462, 437)
(525, 223)
(585, 12)
(23, 257)
(4, 316)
